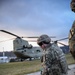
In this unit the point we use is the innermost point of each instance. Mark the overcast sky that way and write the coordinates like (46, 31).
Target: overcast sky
(36, 17)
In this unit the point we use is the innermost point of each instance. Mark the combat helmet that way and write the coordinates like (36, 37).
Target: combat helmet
(44, 38)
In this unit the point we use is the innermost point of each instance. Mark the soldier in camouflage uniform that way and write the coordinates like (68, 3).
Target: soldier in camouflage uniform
(53, 59)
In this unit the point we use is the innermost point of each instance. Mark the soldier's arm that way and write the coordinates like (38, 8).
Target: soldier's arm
(62, 61)
(48, 59)
(63, 64)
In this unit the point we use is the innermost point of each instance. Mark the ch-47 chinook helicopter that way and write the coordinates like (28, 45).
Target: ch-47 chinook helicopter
(22, 49)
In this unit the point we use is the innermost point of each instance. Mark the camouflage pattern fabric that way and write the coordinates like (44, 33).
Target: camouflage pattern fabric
(55, 61)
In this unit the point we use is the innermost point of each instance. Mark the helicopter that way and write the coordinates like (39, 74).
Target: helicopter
(22, 49)
(72, 4)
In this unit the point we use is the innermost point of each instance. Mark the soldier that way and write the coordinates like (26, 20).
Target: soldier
(53, 59)
(72, 4)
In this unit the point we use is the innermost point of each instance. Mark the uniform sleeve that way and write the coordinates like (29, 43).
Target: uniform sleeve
(49, 57)
(62, 61)
(63, 64)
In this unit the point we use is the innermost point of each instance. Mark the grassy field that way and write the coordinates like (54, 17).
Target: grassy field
(22, 68)
(19, 68)
(70, 59)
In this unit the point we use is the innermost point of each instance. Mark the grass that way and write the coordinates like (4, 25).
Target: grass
(70, 59)
(22, 68)
(19, 68)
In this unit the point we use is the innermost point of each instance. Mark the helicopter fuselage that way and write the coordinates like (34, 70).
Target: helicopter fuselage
(22, 49)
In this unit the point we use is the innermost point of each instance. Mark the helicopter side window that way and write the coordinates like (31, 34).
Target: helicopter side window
(38, 50)
(24, 50)
(24, 46)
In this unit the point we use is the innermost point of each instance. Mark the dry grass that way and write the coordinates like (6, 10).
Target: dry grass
(70, 59)
(19, 68)
(22, 68)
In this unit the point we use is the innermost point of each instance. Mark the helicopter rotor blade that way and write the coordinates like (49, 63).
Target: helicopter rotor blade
(62, 43)
(31, 37)
(38, 37)
(22, 37)
(62, 39)
(9, 33)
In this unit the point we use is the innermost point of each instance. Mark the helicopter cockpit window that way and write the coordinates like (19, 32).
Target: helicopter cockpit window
(29, 46)
(38, 50)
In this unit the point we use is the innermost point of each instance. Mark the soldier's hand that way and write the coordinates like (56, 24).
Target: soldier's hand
(44, 66)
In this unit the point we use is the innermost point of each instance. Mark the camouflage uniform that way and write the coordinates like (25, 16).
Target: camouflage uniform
(53, 61)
